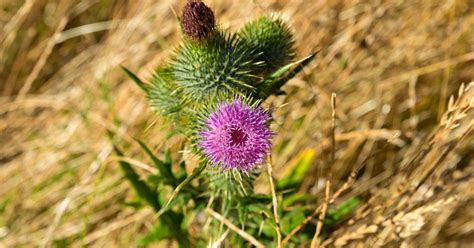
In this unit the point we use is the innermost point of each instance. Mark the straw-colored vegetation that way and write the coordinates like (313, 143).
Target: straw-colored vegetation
(403, 117)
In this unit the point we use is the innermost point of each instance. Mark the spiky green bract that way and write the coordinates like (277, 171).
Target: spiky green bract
(213, 69)
(272, 38)
(227, 187)
(233, 181)
(163, 94)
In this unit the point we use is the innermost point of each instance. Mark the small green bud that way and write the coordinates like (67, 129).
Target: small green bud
(198, 20)
(272, 38)
(214, 68)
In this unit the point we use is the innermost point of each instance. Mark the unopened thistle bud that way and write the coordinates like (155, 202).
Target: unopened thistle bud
(272, 38)
(198, 20)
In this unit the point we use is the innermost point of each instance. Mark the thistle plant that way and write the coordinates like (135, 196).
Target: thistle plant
(210, 90)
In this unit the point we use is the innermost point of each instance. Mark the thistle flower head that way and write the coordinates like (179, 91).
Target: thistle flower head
(236, 135)
(198, 20)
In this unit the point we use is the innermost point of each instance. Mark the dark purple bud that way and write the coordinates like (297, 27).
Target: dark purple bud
(198, 20)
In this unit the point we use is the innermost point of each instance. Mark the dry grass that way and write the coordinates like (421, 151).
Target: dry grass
(393, 65)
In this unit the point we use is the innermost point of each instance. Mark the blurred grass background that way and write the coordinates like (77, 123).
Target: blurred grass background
(392, 64)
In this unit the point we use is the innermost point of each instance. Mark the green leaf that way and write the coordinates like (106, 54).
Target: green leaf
(196, 172)
(158, 232)
(292, 219)
(243, 214)
(258, 208)
(181, 174)
(284, 69)
(170, 219)
(275, 81)
(268, 228)
(227, 203)
(135, 78)
(296, 170)
(300, 64)
(163, 230)
(154, 179)
(142, 189)
(4, 203)
(295, 197)
(256, 198)
(342, 210)
(167, 159)
(164, 168)
(136, 203)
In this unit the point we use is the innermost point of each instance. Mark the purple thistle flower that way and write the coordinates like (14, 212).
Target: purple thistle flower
(236, 135)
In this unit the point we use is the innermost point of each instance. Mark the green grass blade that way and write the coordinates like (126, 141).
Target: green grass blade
(299, 66)
(162, 166)
(141, 188)
(273, 84)
(296, 170)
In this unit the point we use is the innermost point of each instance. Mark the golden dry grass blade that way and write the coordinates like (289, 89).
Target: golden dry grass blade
(274, 200)
(234, 228)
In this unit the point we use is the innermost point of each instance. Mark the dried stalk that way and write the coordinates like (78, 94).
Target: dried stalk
(322, 215)
(274, 201)
(234, 228)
